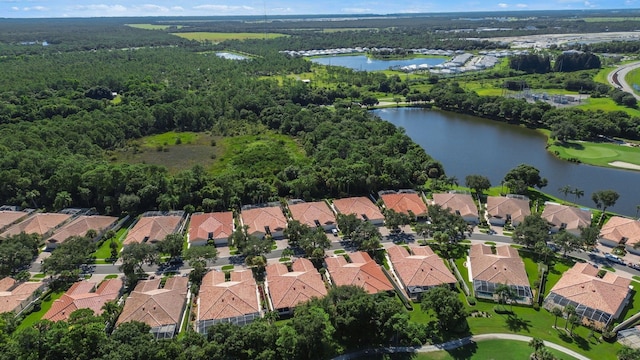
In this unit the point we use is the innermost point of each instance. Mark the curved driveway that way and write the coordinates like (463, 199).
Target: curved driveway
(455, 344)
(621, 72)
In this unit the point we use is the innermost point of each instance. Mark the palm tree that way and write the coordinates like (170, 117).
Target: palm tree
(565, 190)
(577, 193)
(536, 344)
(556, 311)
(569, 310)
(637, 210)
(505, 292)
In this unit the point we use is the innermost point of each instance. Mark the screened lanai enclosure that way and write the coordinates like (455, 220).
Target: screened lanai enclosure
(487, 290)
(599, 317)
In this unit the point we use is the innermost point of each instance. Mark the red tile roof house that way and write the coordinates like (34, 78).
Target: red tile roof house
(151, 229)
(362, 207)
(565, 217)
(314, 214)
(288, 289)
(15, 296)
(162, 308)
(405, 203)
(619, 230)
(217, 227)
(41, 223)
(420, 269)
(487, 271)
(8, 217)
(263, 221)
(79, 227)
(236, 301)
(502, 209)
(461, 204)
(81, 295)
(595, 299)
(362, 271)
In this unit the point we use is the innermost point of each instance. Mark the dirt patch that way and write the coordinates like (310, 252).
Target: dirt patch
(625, 165)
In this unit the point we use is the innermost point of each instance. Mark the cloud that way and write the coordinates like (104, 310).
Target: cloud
(356, 10)
(101, 8)
(223, 8)
(503, 5)
(15, 8)
(35, 8)
(522, 6)
(177, 8)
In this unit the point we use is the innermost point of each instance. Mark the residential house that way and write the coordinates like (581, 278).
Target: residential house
(461, 204)
(8, 217)
(314, 214)
(216, 227)
(621, 231)
(79, 227)
(360, 270)
(84, 295)
(15, 296)
(162, 308)
(235, 300)
(40, 223)
(362, 207)
(263, 221)
(597, 300)
(489, 270)
(408, 203)
(286, 289)
(152, 229)
(569, 218)
(419, 269)
(507, 209)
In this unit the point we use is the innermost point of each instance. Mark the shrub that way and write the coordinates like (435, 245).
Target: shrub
(37, 306)
(536, 306)
(47, 297)
(499, 309)
(471, 300)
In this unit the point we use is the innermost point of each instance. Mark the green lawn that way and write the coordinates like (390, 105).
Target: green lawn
(606, 104)
(489, 350)
(152, 26)
(220, 36)
(632, 307)
(633, 78)
(600, 154)
(104, 251)
(35, 316)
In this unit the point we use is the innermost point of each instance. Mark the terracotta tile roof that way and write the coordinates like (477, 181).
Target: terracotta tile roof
(7, 283)
(359, 206)
(581, 284)
(222, 300)
(462, 203)
(80, 296)
(361, 271)
(422, 268)
(505, 267)
(40, 224)
(500, 207)
(155, 228)
(403, 202)
(80, 226)
(220, 224)
(17, 293)
(571, 216)
(618, 228)
(259, 218)
(155, 306)
(308, 213)
(288, 289)
(9, 217)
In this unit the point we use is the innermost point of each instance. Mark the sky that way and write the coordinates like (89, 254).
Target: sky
(100, 8)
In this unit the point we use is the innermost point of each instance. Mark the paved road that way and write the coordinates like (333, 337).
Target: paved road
(621, 73)
(453, 344)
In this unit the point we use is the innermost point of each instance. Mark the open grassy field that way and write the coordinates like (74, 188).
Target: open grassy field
(488, 350)
(261, 155)
(633, 79)
(220, 37)
(600, 154)
(162, 150)
(601, 76)
(606, 104)
(152, 26)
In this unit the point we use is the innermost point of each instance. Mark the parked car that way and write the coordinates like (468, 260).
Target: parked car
(334, 232)
(614, 258)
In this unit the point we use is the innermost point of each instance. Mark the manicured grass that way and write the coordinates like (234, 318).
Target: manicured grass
(633, 78)
(112, 276)
(220, 36)
(35, 316)
(39, 276)
(633, 307)
(488, 350)
(104, 251)
(227, 267)
(601, 76)
(606, 104)
(600, 154)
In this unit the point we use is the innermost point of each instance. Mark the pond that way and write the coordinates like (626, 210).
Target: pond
(468, 145)
(230, 56)
(364, 63)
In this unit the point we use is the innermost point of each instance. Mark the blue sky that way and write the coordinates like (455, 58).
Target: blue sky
(93, 8)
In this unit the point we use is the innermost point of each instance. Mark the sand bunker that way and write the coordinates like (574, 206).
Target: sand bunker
(625, 165)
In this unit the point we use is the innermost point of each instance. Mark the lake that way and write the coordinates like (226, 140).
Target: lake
(468, 145)
(363, 63)
(230, 56)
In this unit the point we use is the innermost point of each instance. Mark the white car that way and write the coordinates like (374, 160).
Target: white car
(614, 258)
(334, 232)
